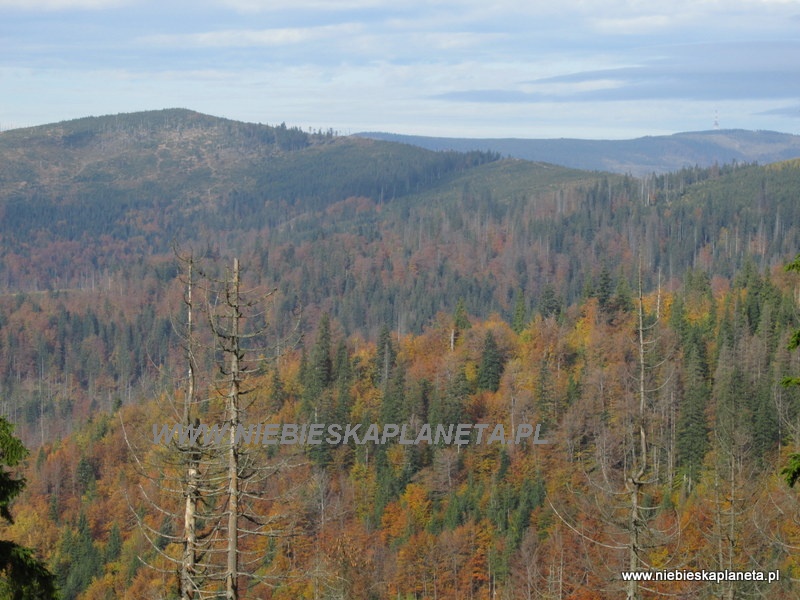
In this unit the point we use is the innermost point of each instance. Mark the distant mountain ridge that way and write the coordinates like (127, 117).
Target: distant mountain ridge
(639, 157)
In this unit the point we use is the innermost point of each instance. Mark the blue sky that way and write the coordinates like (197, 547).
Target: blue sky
(492, 68)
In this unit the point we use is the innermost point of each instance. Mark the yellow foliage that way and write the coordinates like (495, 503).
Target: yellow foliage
(471, 371)
(396, 455)
(415, 499)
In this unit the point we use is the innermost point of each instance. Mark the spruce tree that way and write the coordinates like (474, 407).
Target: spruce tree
(384, 358)
(549, 303)
(520, 316)
(23, 576)
(603, 288)
(461, 320)
(692, 427)
(491, 367)
(792, 471)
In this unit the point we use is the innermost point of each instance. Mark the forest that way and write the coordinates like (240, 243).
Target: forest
(646, 323)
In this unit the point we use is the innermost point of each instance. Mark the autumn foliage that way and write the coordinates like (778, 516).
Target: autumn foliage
(480, 521)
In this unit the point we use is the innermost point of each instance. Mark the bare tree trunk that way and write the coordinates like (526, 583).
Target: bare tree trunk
(636, 481)
(189, 559)
(232, 574)
(211, 473)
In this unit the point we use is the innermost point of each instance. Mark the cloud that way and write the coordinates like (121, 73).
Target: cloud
(636, 25)
(785, 111)
(62, 5)
(703, 72)
(404, 65)
(251, 37)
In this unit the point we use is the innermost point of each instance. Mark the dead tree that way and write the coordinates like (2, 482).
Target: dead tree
(247, 469)
(213, 484)
(640, 464)
(617, 446)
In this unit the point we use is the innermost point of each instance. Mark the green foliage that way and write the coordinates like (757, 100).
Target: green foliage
(368, 234)
(317, 376)
(12, 452)
(279, 395)
(385, 356)
(692, 427)
(114, 545)
(520, 315)
(24, 576)
(491, 366)
(603, 288)
(449, 407)
(791, 472)
(79, 559)
(460, 317)
(84, 474)
(549, 303)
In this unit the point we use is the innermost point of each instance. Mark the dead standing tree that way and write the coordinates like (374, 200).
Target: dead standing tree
(247, 499)
(618, 451)
(218, 482)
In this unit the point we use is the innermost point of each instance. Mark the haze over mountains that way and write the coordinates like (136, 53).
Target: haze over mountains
(639, 157)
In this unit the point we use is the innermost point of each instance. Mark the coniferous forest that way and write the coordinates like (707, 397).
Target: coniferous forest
(174, 268)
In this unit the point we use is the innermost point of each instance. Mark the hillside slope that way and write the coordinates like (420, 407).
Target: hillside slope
(376, 234)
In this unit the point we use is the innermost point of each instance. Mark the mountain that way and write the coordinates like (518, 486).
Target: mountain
(143, 180)
(404, 231)
(374, 233)
(639, 157)
(431, 287)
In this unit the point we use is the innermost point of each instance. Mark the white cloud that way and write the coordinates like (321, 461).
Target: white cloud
(255, 6)
(636, 25)
(251, 37)
(62, 5)
(410, 65)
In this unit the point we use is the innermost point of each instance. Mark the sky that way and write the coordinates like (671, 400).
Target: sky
(592, 69)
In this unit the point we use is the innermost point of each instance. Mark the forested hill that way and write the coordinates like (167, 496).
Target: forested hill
(640, 156)
(403, 285)
(138, 181)
(374, 233)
